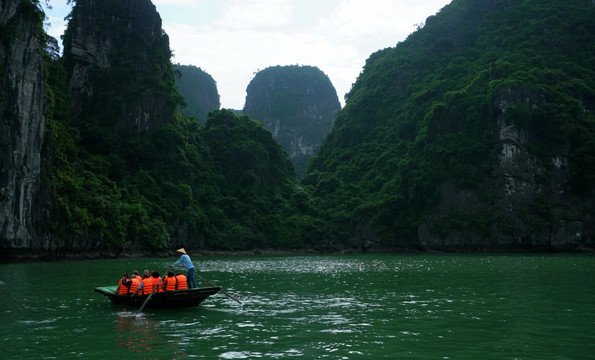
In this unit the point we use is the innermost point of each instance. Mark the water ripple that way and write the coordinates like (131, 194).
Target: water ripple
(314, 307)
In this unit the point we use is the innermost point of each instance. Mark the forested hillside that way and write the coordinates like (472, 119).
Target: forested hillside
(476, 133)
(123, 171)
(150, 184)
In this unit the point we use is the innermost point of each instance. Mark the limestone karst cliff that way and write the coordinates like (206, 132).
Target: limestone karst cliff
(477, 133)
(118, 168)
(297, 104)
(118, 59)
(199, 90)
(120, 83)
(23, 102)
(474, 134)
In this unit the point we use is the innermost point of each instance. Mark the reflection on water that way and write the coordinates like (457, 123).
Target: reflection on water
(139, 333)
(136, 333)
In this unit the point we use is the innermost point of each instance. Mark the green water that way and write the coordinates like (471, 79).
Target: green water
(313, 307)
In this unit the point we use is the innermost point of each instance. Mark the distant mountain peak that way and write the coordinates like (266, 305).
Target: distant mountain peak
(297, 104)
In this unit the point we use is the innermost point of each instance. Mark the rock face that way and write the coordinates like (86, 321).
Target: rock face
(23, 102)
(297, 104)
(528, 190)
(199, 91)
(111, 50)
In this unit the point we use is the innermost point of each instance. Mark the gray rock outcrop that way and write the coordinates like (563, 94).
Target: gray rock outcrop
(528, 190)
(23, 102)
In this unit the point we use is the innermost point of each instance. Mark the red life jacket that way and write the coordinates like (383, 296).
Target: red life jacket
(135, 284)
(147, 285)
(169, 283)
(181, 282)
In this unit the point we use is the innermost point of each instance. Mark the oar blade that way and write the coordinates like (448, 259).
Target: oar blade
(223, 291)
(10, 296)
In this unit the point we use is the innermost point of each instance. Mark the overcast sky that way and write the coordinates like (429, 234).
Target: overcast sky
(233, 39)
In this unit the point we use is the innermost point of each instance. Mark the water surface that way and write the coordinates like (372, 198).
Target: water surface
(313, 307)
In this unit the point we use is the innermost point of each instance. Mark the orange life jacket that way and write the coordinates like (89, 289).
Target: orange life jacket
(181, 282)
(135, 284)
(169, 283)
(123, 289)
(156, 280)
(147, 285)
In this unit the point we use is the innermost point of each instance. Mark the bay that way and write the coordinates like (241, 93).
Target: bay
(312, 307)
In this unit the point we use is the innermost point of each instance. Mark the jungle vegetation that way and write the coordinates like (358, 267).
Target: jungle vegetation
(224, 185)
(424, 112)
(419, 113)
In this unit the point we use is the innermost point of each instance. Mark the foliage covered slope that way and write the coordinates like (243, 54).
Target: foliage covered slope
(417, 157)
(477, 132)
(115, 185)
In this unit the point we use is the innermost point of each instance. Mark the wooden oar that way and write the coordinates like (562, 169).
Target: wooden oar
(10, 296)
(149, 297)
(223, 291)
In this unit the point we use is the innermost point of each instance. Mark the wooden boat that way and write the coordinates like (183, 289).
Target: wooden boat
(167, 299)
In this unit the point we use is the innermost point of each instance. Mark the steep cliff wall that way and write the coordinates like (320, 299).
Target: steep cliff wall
(199, 90)
(532, 204)
(297, 104)
(118, 56)
(23, 101)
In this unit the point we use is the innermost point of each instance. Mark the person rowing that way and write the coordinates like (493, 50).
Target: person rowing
(186, 263)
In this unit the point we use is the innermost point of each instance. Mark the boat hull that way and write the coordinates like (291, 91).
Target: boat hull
(167, 299)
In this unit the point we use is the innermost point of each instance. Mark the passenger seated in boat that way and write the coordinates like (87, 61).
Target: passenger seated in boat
(124, 285)
(181, 283)
(135, 283)
(169, 282)
(156, 281)
(146, 285)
